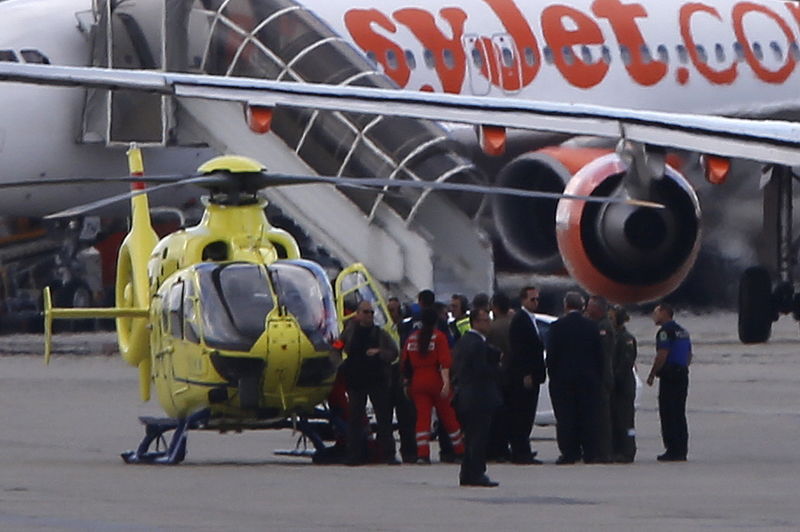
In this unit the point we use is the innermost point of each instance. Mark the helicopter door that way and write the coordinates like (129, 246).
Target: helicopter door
(353, 285)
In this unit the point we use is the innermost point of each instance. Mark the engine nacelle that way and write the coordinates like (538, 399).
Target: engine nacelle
(526, 225)
(628, 254)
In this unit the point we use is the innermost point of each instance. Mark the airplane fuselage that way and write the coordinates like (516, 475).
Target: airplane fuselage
(717, 56)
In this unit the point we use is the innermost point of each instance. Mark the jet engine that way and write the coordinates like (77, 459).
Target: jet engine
(626, 253)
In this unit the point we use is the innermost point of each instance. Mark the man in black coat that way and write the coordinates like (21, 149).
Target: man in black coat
(525, 372)
(575, 367)
(475, 374)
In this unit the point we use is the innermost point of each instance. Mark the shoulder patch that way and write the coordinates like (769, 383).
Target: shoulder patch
(663, 336)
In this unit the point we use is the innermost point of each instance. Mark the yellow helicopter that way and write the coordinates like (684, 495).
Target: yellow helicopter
(233, 328)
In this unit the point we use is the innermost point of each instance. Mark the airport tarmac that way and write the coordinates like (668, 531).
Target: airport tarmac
(62, 428)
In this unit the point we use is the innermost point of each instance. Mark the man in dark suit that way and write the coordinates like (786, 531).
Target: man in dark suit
(475, 375)
(575, 367)
(525, 372)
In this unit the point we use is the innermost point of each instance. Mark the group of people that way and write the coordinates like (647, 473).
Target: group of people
(481, 369)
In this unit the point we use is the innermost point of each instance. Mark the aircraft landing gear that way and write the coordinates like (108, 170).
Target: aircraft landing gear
(760, 303)
(154, 429)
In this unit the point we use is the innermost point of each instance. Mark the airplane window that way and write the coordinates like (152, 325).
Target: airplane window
(794, 50)
(477, 58)
(777, 50)
(235, 300)
(663, 53)
(719, 51)
(586, 54)
(530, 57)
(683, 54)
(34, 56)
(759, 53)
(508, 57)
(569, 57)
(430, 60)
(548, 55)
(625, 53)
(8, 55)
(391, 59)
(738, 49)
(449, 59)
(606, 53)
(645, 51)
(701, 52)
(411, 60)
(373, 59)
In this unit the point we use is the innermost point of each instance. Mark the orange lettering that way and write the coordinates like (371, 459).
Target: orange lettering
(778, 76)
(622, 18)
(359, 23)
(450, 63)
(561, 40)
(720, 77)
(519, 29)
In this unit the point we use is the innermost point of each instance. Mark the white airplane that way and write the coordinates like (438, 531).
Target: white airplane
(610, 69)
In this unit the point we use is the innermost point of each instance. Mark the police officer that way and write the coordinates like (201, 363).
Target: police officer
(671, 366)
(623, 393)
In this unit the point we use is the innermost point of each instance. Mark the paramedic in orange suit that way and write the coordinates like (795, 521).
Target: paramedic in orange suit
(426, 363)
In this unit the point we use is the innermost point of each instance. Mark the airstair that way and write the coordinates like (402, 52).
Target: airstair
(409, 240)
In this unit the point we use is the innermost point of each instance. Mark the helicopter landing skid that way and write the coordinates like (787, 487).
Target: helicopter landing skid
(154, 429)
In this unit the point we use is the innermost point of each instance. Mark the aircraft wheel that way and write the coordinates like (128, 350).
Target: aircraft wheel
(756, 311)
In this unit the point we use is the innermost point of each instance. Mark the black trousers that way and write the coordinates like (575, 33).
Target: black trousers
(406, 417)
(475, 423)
(673, 388)
(356, 435)
(577, 407)
(622, 417)
(521, 410)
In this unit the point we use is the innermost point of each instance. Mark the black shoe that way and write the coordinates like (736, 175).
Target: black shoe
(423, 461)
(393, 461)
(408, 459)
(353, 462)
(483, 482)
(667, 457)
(448, 458)
(565, 460)
(622, 459)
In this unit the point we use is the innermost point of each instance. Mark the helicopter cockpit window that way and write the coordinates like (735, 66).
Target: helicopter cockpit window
(235, 300)
(175, 306)
(304, 289)
(356, 288)
(191, 327)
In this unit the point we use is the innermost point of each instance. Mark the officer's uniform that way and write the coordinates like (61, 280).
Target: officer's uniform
(623, 396)
(673, 388)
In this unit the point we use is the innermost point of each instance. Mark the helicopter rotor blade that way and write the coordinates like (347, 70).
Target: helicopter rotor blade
(276, 179)
(79, 210)
(157, 179)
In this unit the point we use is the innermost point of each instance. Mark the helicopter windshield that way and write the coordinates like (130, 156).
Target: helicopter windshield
(304, 289)
(235, 301)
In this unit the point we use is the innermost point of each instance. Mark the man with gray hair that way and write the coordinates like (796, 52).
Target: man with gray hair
(575, 367)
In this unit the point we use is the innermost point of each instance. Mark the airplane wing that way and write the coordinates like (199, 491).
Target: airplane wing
(768, 141)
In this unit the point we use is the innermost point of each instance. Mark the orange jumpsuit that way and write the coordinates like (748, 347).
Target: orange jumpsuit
(425, 390)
